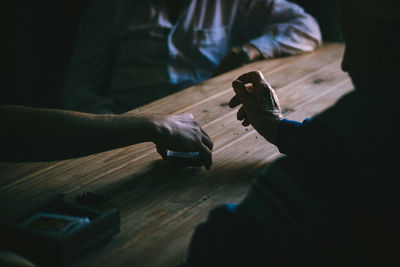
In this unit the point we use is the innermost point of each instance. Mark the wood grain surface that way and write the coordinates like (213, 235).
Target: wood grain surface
(161, 204)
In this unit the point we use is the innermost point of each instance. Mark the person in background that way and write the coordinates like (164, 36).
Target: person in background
(333, 199)
(128, 53)
(327, 14)
(34, 134)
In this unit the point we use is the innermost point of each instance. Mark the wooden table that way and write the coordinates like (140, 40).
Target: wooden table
(160, 205)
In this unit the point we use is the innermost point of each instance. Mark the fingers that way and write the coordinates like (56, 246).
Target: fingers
(190, 115)
(249, 87)
(205, 147)
(252, 77)
(244, 90)
(246, 123)
(185, 115)
(243, 86)
(206, 155)
(240, 90)
(162, 151)
(188, 136)
(234, 102)
(241, 114)
(204, 133)
(206, 140)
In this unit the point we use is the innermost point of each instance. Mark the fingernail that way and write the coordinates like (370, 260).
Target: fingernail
(249, 87)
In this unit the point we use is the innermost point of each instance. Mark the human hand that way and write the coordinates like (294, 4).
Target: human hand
(260, 106)
(182, 133)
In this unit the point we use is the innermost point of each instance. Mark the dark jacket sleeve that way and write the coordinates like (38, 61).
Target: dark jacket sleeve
(287, 131)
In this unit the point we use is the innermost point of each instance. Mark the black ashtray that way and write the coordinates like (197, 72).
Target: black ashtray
(58, 231)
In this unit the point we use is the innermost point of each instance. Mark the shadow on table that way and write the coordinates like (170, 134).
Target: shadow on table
(174, 187)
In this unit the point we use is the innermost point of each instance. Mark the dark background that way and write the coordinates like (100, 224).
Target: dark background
(40, 36)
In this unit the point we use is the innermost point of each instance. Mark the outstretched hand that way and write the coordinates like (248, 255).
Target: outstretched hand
(181, 132)
(33, 134)
(260, 106)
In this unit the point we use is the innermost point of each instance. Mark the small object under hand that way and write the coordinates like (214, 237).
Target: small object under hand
(184, 158)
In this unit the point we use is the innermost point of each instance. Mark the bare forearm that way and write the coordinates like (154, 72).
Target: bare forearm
(31, 134)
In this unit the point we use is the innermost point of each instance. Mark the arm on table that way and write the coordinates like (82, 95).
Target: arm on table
(289, 30)
(31, 134)
(274, 28)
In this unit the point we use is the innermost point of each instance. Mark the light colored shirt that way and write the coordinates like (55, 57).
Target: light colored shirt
(128, 53)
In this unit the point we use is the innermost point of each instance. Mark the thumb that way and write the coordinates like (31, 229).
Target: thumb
(240, 90)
